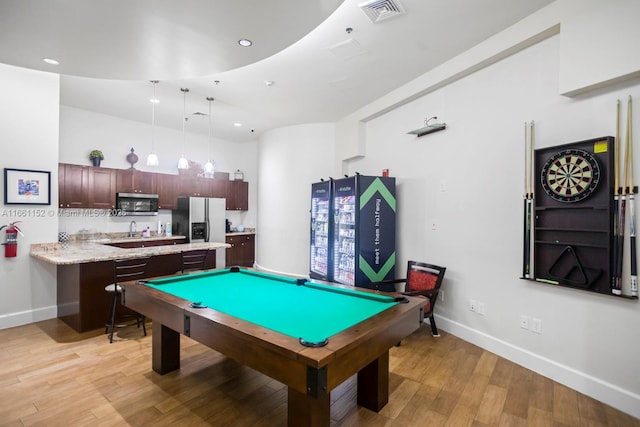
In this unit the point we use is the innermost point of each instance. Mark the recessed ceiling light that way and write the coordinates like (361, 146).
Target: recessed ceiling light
(245, 42)
(269, 82)
(237, 124)
(50, 61)
(154, 100)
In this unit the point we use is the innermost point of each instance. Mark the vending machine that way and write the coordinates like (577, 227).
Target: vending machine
(321, 231)
(363, 248)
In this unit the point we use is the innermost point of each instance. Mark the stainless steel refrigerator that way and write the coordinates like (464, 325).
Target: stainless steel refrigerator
(201, 219)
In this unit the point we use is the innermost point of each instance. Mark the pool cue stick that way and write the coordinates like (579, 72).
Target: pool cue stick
(616, 202)
(631, 189)
(617, 290)
(528, 204)
(532, 144)
(526, 261)
(525, 210)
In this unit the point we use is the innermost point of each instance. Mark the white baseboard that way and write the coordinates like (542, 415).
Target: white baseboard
(19, 318)
(598, 389)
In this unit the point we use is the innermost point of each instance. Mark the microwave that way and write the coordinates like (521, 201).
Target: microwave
(136, 204)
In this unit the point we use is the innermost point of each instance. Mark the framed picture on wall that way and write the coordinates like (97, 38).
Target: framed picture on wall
(27, 187)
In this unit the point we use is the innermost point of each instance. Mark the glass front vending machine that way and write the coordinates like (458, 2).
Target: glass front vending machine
(321, 231)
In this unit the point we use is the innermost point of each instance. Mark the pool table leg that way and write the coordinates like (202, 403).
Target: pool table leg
(373, 383)
(308, 411)
(165, 349)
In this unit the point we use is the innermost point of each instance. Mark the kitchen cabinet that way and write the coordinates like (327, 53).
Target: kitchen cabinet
(203, 187)
(135, 181)
(242, 250)
(81, 299)
(73, 181)
(193, 186)
(168, 189)
(101, 190)
(86, 187)
(237, 194)
(216, 188)
(96, 187)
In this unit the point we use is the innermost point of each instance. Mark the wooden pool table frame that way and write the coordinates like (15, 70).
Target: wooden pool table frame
(309, 373)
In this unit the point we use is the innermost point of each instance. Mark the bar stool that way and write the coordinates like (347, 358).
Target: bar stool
(124, 270)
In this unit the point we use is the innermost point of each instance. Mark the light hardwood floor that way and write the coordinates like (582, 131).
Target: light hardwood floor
(53, 376)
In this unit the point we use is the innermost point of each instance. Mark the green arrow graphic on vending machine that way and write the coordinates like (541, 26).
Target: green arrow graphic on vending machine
(380, 275)
(378, 186)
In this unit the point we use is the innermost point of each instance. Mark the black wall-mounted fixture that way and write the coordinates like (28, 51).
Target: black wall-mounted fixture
(429, 127)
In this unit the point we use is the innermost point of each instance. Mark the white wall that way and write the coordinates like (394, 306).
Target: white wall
(290, 160)
(607, 58)
(81, 131)
(468, 181)
(29, 140)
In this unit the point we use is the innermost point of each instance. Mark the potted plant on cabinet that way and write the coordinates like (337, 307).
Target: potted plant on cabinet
(96, 157)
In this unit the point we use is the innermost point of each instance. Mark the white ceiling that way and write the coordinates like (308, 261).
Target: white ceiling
(108, 52)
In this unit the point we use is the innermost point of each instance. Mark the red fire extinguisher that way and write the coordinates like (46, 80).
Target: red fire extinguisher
(11, 242)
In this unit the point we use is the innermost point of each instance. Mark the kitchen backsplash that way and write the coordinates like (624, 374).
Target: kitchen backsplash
(73, 221)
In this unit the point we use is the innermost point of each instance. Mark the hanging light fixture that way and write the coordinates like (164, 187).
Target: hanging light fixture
(208, 167)
(183, 163)
(152, 159)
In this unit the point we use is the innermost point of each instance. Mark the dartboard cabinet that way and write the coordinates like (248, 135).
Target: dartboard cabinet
(573, 214)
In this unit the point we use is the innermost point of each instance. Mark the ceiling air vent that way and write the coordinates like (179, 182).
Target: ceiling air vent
(379, 10)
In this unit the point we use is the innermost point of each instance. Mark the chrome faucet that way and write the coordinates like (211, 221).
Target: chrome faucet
(132, 228)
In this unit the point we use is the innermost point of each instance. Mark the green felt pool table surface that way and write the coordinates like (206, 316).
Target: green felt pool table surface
(300, 309)
(258, 319)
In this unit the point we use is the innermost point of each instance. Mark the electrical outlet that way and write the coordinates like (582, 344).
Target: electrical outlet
(480, 308)
(434, 226)
(473, 305)
(524, 321)
(536, 325)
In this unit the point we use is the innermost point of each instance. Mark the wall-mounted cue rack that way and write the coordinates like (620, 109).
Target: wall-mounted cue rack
(573, 214)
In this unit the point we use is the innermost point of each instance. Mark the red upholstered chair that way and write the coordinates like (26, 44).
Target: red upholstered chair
(423, 280)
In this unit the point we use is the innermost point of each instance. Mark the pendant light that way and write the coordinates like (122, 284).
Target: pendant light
(152, 159)
(208, 167)
(183, 163)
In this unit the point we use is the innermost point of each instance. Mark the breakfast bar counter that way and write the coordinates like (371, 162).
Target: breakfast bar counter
(83, 252)
(84, 268)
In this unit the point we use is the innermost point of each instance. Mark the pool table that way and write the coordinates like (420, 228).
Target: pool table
(311, 336)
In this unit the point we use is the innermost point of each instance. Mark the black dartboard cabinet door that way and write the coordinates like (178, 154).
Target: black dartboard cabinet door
(573, 214)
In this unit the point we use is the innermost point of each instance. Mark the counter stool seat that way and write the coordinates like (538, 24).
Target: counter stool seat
(124, 270)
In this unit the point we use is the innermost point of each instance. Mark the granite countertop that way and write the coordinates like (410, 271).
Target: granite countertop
(241, 233)
(121, 239)
(83, 252)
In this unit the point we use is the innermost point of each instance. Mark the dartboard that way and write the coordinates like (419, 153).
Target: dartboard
(570, 175)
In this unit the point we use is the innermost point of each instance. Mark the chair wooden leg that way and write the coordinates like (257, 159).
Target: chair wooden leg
(434, 329)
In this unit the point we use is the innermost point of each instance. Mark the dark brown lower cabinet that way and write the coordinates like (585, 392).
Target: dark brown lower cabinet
(242, 250)
(82, 301)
